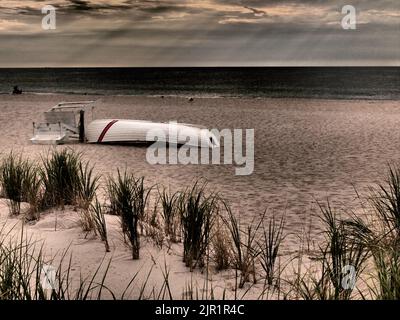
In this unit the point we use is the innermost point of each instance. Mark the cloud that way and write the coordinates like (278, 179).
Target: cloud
(198, 32)
(81, 5)
(10, 24)
(84, 5)
(257, 13)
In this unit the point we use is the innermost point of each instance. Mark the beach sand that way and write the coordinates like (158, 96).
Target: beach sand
(306, 150)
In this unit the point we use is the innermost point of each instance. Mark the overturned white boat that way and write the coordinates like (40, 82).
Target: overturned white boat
(140, 131)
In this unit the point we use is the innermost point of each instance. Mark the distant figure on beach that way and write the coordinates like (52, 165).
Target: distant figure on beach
(191, 99)
(16, 90)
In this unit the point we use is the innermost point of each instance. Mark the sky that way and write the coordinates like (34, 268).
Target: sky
(130, 33)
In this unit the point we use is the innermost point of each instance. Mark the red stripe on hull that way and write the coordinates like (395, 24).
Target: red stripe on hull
(103, 133)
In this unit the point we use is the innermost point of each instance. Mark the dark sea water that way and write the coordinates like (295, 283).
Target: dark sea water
(300, 82)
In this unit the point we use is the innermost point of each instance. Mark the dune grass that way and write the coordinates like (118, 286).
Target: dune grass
(68, 180)
(63, 179)
(270, 244)
(350, 244)
(245, 249)
(380, 234)
(198, 212)
(387, 278)
(386, 201)
(171, 214)
(221, 243)
(60, 174)
(19, 182)
(25, 273)
(130, 198)
(88, 183)
(338, 265)
(97, 213)
(33, 192)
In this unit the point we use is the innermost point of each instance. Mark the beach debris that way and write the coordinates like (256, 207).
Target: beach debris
(16, 90)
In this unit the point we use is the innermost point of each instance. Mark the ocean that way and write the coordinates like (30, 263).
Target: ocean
(381, 83)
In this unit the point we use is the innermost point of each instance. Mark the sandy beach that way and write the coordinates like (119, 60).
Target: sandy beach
(306, 150)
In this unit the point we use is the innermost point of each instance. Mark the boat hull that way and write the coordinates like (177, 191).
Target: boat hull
(137, 131)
